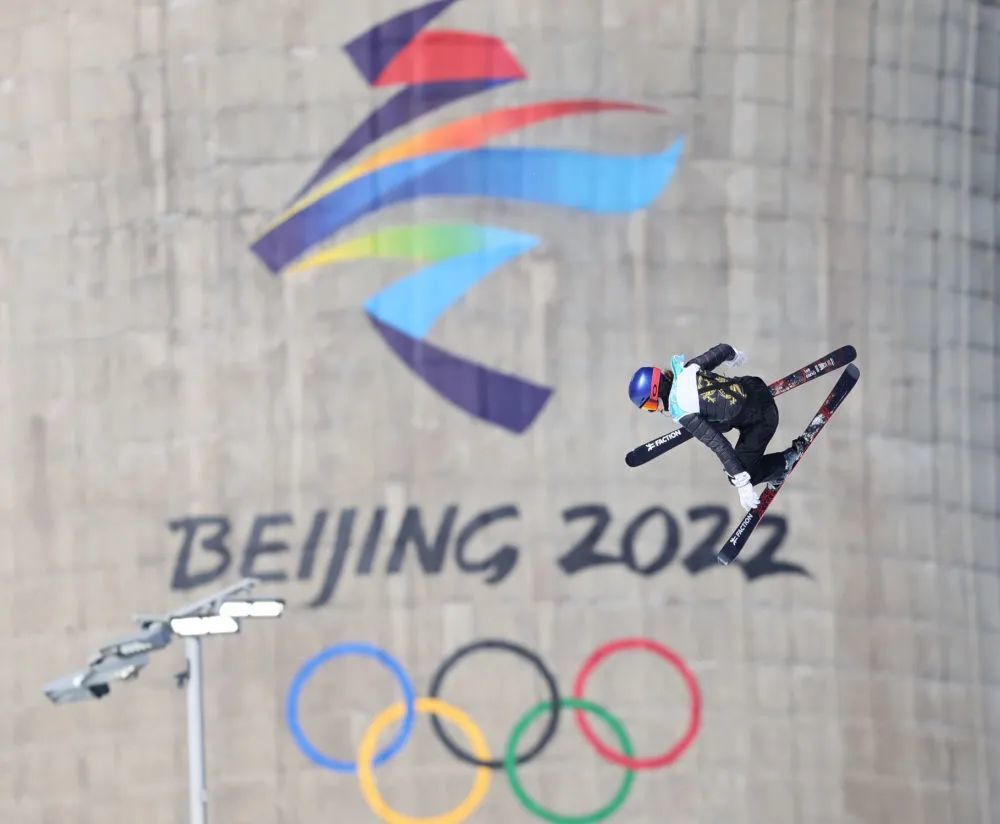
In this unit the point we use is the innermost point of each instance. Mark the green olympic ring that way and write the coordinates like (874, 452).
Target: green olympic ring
(510, 763)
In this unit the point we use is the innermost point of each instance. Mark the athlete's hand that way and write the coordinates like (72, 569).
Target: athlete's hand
(737, 360)
(748, 497)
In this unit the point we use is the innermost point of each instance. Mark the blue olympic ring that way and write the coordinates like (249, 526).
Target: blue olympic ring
(309, 669)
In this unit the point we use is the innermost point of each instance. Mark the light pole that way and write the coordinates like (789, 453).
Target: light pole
(123, 659)
(196, 733)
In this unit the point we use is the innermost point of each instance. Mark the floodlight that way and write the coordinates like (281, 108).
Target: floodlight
(258, 608)
(154, 636)
(122, 660)
(196, 625)
(66, 691)
(95, 680)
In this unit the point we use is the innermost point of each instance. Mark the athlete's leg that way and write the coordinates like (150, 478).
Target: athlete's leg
(756, 434)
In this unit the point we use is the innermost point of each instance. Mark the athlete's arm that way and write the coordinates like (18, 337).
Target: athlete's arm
(714, 357)
(709, 435)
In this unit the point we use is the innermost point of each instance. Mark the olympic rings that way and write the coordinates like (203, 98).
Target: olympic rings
(529, 803)
(434, 707)
(550, 683)
(480, 756)
(309, 669)
(674, 752)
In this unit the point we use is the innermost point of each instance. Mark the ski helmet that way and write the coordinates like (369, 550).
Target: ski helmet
(644, 388)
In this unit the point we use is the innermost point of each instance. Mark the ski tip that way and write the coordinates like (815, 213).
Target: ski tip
(630, 459)
(853, 371)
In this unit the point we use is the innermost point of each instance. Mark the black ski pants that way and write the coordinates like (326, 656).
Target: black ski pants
(757, 423)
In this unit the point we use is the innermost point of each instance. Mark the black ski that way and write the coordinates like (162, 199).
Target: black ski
(742, 533)
(658, 446)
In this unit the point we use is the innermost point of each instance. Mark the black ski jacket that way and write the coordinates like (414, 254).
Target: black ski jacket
(721, 403)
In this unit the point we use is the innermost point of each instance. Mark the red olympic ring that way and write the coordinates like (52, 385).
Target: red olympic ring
(670, 657)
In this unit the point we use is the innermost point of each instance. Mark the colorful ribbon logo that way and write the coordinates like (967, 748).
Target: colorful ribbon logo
(436, 68)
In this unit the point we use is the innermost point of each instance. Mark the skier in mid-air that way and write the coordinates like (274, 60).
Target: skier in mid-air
(708, 404)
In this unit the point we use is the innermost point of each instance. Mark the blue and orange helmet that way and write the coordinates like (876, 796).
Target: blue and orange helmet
(644, 388)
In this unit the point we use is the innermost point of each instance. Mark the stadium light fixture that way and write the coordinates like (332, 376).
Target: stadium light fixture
(262, 608)
(199, 625)
(122, 660)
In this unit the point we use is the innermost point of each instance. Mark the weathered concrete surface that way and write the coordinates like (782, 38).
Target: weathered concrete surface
(839, 184)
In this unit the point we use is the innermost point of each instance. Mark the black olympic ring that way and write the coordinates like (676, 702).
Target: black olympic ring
(528, 655)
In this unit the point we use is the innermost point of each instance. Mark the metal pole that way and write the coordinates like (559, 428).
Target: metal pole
(196, 733)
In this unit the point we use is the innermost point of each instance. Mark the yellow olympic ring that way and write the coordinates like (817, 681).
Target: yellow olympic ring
(427, 706)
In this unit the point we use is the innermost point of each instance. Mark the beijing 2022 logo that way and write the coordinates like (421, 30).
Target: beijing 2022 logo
(437, 68)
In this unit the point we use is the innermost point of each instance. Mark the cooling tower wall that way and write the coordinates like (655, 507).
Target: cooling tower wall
(347, 296)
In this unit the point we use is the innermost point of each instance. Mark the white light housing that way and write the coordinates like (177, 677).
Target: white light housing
(204, 625)
(131, 671)
(264, 608)
(133, 647)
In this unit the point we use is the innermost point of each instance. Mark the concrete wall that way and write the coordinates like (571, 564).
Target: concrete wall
(838, 183)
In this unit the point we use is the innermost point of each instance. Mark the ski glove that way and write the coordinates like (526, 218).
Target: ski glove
(748, 497)
(737, 360)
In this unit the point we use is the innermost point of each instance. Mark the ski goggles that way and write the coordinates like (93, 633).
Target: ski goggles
(652, 403)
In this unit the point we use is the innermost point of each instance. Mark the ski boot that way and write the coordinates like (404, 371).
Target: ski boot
(792, 455)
